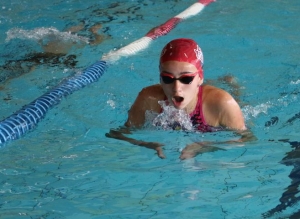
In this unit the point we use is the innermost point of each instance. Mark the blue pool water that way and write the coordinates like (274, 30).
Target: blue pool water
(67, 168)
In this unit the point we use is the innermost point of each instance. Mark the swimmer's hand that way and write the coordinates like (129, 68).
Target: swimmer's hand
(153, 145)
(117, 134)
(192, 150)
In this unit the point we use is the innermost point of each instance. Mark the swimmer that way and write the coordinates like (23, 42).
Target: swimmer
(181, 86)
(56, 48)
(55, 45)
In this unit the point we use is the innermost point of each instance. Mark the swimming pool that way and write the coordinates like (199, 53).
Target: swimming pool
(67, 168)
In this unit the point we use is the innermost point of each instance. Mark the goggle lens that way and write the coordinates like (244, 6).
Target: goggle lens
(185, 79)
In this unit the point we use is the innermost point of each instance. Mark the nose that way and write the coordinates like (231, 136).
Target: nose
(177, 86)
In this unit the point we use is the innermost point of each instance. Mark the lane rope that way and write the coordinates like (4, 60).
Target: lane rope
(26, 119)
(156, 32)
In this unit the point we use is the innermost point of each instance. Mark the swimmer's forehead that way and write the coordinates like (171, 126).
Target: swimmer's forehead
(177, 67)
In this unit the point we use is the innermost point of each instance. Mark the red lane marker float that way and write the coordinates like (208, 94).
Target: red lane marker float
(156, 32)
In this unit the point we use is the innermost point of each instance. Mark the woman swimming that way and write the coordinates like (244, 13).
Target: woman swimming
(181, 86)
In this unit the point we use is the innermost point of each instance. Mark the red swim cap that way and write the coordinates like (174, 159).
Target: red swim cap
(183, 50)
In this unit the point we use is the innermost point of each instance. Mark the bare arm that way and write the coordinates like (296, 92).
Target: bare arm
(220, 109)
(147, 99)
(119, 134)
(196, 148)
(231, 115)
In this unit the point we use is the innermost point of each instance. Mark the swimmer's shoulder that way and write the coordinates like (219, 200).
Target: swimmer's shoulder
(220, 108)
(211, 93)
(213, 102)
(153, 92)
(150, 96)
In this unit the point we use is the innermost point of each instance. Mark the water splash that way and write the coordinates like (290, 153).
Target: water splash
(172, 118)
(43, 33)
(254, 111)
(295, 82)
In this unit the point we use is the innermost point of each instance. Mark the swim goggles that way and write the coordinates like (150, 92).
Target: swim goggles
(184, 79)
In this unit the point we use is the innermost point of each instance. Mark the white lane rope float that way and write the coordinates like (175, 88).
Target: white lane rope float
(25, 119)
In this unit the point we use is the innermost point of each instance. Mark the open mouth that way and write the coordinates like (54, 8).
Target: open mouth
(177, 99)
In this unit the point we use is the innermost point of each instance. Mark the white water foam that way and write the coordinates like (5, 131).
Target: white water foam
(42, 33)
(254, 111)
(172, 118)
(295, 82)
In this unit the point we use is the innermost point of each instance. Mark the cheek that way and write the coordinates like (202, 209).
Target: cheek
(193, 89)
(166, 88)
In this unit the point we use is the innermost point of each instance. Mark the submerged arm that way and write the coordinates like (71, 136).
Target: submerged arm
(119, 134)
(220, 110)
(196, 148)
(147, 99)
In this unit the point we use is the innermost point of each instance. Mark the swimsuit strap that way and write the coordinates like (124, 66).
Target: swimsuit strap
(199, 105)
(197, 116)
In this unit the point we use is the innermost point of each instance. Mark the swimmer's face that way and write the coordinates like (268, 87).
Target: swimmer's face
(181, 94)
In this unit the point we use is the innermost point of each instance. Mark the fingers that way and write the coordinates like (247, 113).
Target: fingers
(160, 153)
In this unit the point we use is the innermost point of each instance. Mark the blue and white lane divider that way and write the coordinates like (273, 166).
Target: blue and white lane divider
(16, 125)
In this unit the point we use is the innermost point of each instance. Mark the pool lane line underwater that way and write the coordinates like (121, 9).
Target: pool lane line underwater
(25, 119)
(290, 197)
